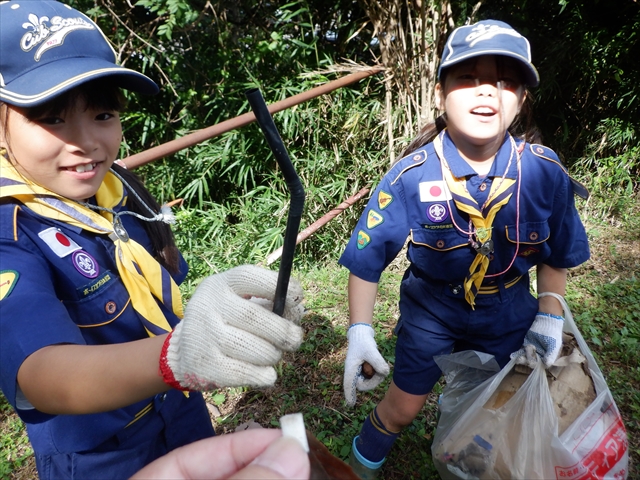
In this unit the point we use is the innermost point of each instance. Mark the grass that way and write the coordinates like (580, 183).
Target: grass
(604, 295)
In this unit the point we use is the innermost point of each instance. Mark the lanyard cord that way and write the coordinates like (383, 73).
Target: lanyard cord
(165, 214)
(472, 231)
(518, 187)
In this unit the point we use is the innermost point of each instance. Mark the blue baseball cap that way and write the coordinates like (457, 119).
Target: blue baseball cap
(49, 48)
(489, 37)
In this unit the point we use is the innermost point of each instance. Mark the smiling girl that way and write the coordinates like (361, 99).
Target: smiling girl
(480, 206)
(96, 353)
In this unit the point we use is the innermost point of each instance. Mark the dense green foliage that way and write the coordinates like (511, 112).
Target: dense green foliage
(206, 54)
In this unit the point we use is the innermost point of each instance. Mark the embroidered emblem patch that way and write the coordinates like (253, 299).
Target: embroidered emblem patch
(384, 200)
(374, 219)
(363, 240)
(435, 191)
(437, 212)
(528, 251)
(49, 33)
(95, 285)
(85, 264)
(58, 242)
(8, 280)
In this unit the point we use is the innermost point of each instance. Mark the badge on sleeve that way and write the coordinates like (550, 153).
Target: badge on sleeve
(58, 242)
(8, 280)
(363, 240)
(384, 199)
(435, 191)
(374, 219)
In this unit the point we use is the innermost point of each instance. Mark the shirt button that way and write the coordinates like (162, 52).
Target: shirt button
(483, 187)
(533, 236)
(455, 289)
(110, 307)
(440, 244)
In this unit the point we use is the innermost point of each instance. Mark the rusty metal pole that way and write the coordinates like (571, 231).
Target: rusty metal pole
(307, 232)
(199, 136)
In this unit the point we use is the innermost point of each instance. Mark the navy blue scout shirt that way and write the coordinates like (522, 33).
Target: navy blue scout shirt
(62, 286)
(540, 225)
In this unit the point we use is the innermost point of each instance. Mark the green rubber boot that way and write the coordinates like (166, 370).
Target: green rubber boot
(362, 467)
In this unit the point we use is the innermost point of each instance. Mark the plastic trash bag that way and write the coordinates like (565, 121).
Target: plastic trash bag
(559, 424)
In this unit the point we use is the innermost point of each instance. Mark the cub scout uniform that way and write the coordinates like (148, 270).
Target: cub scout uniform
(472, 241)
(60, 284)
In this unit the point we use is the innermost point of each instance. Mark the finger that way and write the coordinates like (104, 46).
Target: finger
(251, 317)
(235, 373)
(215, 457)
(365, 385)
(379, 364)
(247, 347)
(233, 342)
(260, 282)
(293, 313)
(349, 386)
(284, 458)
(367, 370)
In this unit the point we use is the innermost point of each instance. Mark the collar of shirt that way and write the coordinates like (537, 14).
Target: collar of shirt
(460, 168)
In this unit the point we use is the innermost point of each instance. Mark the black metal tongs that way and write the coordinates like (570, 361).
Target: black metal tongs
(296, 204)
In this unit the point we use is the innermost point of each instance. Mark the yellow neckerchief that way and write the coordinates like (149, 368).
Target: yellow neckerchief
(143, 277)
(481, 216)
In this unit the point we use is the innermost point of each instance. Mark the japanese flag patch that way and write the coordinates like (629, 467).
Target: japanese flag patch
(58, 242)
(435, 191)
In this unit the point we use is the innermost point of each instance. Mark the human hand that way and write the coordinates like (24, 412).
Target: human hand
(252, 454)
(545, 336)
(227, 339)
(362, 348)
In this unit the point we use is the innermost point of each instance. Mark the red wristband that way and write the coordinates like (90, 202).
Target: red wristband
(165, 370)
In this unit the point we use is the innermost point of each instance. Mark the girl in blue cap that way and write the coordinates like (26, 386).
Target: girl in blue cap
(481, 205)
(97, 355)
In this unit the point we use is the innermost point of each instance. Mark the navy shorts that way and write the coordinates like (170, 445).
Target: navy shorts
(435, 319)
(184, 420)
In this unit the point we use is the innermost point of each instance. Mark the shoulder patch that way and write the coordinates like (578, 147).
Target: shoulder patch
(384, 199)
(548, 154)
(8, 280)
(412, 160)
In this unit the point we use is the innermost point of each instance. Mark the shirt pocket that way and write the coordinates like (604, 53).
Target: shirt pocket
(440, 255)
(440, 240)
(104, 301)
(530, 233)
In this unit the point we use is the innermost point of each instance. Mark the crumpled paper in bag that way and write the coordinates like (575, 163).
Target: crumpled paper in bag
(477, 455)
(569, 380)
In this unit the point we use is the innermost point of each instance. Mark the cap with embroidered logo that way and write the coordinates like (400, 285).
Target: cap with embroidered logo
(489, 37)
(49, 48)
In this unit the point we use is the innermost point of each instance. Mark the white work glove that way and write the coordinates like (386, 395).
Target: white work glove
(228, 339)
(362, 348)
(545, 336)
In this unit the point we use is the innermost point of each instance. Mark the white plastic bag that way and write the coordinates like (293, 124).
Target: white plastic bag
(520, 439)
